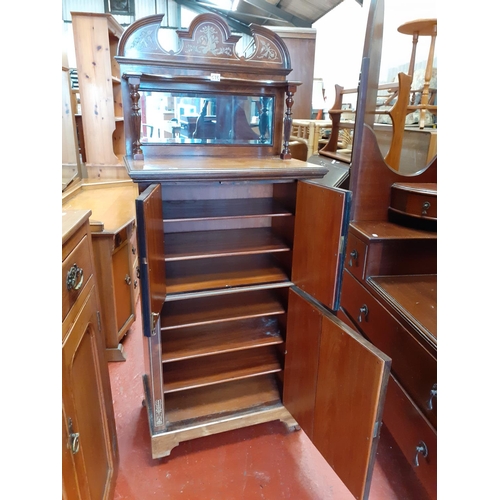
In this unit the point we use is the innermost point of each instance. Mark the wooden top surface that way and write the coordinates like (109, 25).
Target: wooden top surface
(424, 27)
(382, 230)
(414, 296)
(71, 221)
(237, 168)
(112, 204)
(429, 188)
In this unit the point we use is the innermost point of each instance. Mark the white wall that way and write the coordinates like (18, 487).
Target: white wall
(340, 38)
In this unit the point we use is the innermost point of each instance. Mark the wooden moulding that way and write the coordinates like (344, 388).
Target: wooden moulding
(202, 412)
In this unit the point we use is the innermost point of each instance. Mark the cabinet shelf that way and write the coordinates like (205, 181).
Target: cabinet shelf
(185, 343)
(218, 309)
(210, 404)
(207, 274)
(196, 244)
(191, 210)
(190, 373)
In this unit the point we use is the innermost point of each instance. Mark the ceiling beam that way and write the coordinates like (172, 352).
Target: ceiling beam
(201, 9)
(278, 12)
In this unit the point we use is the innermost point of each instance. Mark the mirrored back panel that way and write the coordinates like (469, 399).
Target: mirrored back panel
(187, 117)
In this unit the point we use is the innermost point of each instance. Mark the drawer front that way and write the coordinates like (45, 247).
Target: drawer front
(413, 366)
(355, 256)
(76, 271)
(413, 434)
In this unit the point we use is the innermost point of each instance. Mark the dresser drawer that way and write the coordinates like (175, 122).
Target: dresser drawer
(412, 432)
(355, 256)
(76, 271)
(413, 366)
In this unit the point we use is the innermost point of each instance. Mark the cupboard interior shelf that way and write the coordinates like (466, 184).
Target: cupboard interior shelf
(218, 309)
(210, 404)
(192, 373)
(183, 210)
(205, 340)
(196, 244)
(206, 274)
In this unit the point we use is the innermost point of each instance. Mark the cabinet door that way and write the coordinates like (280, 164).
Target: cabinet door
(151, 255)
(85, 399)
(334, 386)
(321, 224)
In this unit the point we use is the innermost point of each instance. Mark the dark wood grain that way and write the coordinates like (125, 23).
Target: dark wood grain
(191, 373)
(221, 209)
(211, 403)
(217, 309)
(319, 229)
(196, 244)
(415, 199)
(205, 340)
(208, 274)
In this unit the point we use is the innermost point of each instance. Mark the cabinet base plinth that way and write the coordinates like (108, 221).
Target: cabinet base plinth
(116, 353)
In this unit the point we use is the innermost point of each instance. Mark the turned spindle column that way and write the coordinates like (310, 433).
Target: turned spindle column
(286, 154)
(133, 84)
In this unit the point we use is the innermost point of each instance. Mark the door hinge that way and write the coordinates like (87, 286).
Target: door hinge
(154, 319)
(376, 429)
(99, 320)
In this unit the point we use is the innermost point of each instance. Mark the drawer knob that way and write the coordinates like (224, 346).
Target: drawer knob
(421, 449)
(134, 250)
(128, 279)
(363, 310)
(425, 206)
(74, 278)
(353, 255)
(433, 394)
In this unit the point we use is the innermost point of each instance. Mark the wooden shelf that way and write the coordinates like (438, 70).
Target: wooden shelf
(217, 309)
(196, 244)
(208, 274)
(177, 211)
(206, 404)
(204, 340)
(191, 373)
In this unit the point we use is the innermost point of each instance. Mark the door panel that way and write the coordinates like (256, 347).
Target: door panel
(349, 390)
(151, 253)
(321, 223)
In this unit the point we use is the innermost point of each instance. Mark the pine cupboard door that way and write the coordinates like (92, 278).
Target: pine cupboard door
(321, 225)
(334, 386)
(91, 456)
(153, 291)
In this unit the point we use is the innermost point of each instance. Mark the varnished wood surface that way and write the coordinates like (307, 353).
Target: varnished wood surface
(414, 297)
(178, 168)
(369, 231)
(176, 211)
(112, 204)
(415, 200)
(205, 274)
(216, 309)
(193, 245)
(204, 340)
(71, 223)
(423, 27)
(212, 403)
(320, 226)
(191, 373)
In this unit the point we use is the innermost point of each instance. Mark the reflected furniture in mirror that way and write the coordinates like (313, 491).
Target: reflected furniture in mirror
(389, 288)
(240, 253)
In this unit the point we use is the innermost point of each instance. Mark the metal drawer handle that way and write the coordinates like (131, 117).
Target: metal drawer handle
(128, 279)
(433, 394)
(74, 278)
(74, 438)
(354, 255)
(421, 448)
(363, 310)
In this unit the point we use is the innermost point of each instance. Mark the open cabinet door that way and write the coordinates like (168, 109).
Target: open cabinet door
(334, 386)
(321, 224)
(152, 271)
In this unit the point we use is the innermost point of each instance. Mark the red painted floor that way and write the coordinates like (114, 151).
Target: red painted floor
(260, 462)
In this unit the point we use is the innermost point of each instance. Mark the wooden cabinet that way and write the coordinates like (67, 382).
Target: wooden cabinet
(96, 38)
(239, 255)
(89, 443)
(114, 243)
